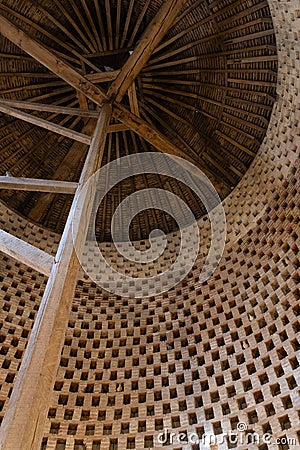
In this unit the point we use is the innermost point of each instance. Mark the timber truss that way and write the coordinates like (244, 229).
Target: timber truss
(23, 425)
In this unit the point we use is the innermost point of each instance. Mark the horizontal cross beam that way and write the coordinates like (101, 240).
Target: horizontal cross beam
(102, 77)
(37, 185)
(31, 106)
(26, 253)
(45, 124)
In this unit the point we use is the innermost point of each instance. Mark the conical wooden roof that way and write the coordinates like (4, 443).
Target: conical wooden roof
(209, 87)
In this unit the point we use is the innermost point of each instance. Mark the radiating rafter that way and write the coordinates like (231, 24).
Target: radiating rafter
(29, 87)
(201, 70)
(17, 57)
(189, 149)
(109, 25)
(101, 24)
(127, 22)
(133, 100)
(180, 62)
(211, 17)
(187, 11)
(74, 24)
(84, 24)
(46, 33)
(197, 97)
(92, 24)
(138, 23)
(232, 141)
(118, 24)
(26, 75)
(153, 83)
(55, 93)
(155, 31)
(61, 27)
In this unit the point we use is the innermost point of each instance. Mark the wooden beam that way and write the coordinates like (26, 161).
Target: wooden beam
(109, 24)
(74, 24)
(100, 24)
(45, 124)
(138, 22)
(23, 425)
(116, 127)
(144, 49)
(103, 77)
(118, 24)
(91, 24)
(31, 106)
(19, 138)
(127, 22)
(65, 171)
(223, 106)
(235, 143)
(151, 135)
(32, 184)
(27, 74)
(26, 253)
(83, 101)
(214, 147)
(133, 100)
(116, 51)
(175, 73)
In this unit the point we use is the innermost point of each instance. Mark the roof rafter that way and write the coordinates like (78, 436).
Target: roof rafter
(133, 100)
(43, 31)
(148, 42)
(50, 60)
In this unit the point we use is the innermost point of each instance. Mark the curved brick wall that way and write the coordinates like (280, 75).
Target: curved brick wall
(200, 358)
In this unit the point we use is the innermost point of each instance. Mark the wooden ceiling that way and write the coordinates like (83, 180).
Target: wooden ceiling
(195, 78)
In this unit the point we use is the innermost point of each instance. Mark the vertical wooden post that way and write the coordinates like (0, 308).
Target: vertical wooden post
(23, 424)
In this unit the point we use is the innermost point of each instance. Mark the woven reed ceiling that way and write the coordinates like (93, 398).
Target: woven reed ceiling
(209, 87)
